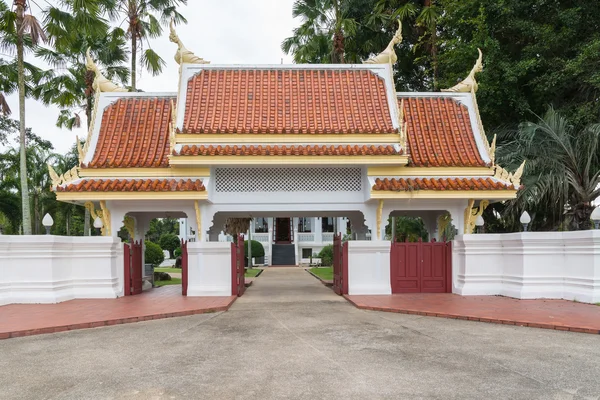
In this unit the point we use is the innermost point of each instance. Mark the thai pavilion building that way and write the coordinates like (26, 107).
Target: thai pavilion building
(290, 146)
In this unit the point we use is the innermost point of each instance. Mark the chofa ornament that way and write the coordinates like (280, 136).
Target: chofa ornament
(469, 84)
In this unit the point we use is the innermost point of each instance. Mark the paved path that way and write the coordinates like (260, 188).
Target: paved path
(291, 337)
(548, 314)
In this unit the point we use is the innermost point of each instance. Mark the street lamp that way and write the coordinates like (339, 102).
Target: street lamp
(596, 217)
(98, 224)
(479, 222)
(525, 220)
(47, 221)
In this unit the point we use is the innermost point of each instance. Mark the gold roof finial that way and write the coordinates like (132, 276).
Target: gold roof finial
(388, 56)
(469, 84)
(101, 84)
(183, 55)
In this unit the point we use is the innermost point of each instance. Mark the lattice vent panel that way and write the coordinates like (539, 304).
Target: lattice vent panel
(336, 179)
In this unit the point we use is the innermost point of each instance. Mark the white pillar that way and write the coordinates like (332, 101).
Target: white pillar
(270, 222)
(318, 230)
(369, 267)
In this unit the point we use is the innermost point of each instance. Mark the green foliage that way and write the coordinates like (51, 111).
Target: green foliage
(177, 252)
(562, 175)
(326, 255)
(407, 228)
(153, 254)
(162, 226)
(257, 249)
(325, 273)
(170, 242)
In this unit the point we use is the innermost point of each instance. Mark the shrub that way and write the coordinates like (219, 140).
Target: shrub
(326, 255)
(153, 254)
(177, 252)
(169, 242)
(178, 262)
(162, 276)
(257, 249)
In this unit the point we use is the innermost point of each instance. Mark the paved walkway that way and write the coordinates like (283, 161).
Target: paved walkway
(291, 337)
(164, 302)
(549, 314)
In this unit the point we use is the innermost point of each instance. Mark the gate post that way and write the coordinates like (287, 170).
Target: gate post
(127, 269)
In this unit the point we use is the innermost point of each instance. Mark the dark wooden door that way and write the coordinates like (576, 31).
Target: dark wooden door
(184, 267)
(238, 270)
(132, 268)
(136, 268)
(340, 265)
(283, 230)
(421, 267)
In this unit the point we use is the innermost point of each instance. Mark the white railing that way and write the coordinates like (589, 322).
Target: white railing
(306, 237)
(327, 237)
(261, 237)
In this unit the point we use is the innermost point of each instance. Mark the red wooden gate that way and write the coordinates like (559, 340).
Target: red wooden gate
(184, 267)
(340, 265)
(238, 282)
(421, 267)
(133, 268)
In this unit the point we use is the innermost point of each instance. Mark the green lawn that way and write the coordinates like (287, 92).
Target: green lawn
(176, 270)
(325, 273)
(251, 273)
(173, 281)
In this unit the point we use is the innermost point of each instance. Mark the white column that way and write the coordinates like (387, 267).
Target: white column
(318, 230)
(369, 267)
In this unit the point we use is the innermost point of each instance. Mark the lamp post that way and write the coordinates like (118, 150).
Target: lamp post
(479, 222)
(596, 217)
(525, 220)
(47, 221)
(98, 224)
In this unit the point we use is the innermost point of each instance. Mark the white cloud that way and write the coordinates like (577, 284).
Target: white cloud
(223, 32)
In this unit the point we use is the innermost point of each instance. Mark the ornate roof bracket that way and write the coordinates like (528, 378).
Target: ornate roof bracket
(469, 84)
(103, 213)
(471, 214)
(67, 177)
(183, 55)
(503, 175)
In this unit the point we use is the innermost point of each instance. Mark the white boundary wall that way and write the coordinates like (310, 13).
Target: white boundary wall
(369, 267)
(529, 265)
(51, 269)
(209, 269)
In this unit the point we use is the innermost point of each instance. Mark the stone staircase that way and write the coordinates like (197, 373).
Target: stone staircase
(283, 254)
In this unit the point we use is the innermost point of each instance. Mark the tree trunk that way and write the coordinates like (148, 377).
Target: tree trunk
(21, 83)
(89, 81)
(133, 61)
(582, 217)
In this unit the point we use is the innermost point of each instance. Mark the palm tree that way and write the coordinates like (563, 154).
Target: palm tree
(23, 30)
(143, 24)
(73, 31)
(321, 36)
(562, 174)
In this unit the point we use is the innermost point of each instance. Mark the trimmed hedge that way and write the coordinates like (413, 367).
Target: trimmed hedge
(153, 254)
(326, 255)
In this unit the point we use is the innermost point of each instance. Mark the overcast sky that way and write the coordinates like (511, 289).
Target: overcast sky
(223, 32)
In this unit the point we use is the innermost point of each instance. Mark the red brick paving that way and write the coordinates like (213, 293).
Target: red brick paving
(548, 314)
(164, 302)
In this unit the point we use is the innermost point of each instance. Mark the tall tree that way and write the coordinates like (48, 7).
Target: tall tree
(562, 174)
(23, 28)
(321, 37)
(144, 19)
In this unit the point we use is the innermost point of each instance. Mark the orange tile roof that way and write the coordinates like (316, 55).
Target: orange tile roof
(288, 150)
(134, 185)
(287, 101)
(440, 133)
(410, 184)
(134, 133)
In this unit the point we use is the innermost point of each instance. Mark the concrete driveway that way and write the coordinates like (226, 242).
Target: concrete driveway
(291, 337)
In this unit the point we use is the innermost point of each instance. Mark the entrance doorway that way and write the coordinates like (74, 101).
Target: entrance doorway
(282, 234)
(421, 267)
